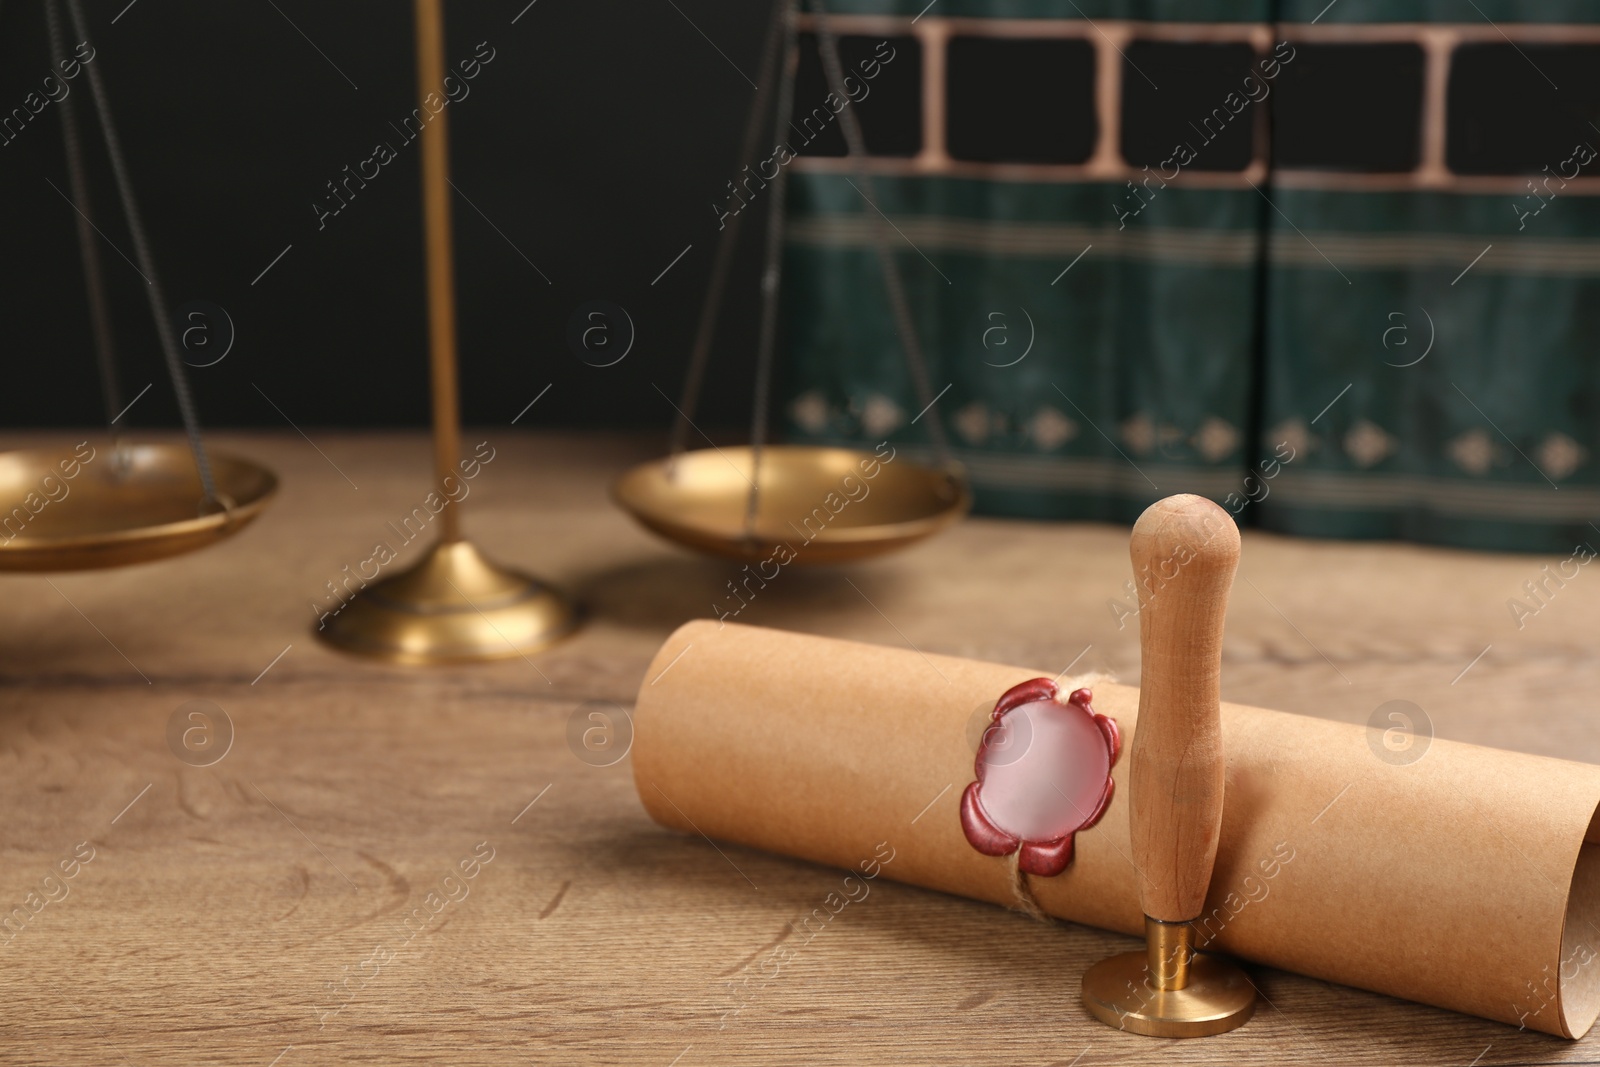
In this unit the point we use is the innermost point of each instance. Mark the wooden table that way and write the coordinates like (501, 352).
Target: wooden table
(275, 908)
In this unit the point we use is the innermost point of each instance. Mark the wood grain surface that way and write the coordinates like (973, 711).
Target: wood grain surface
(397, 866)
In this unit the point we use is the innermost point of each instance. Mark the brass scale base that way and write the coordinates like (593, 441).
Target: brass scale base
(455, 606)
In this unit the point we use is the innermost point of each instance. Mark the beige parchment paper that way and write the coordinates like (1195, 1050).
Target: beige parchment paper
(1463, 880)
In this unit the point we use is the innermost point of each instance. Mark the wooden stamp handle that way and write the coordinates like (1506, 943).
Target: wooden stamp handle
(1185, 551)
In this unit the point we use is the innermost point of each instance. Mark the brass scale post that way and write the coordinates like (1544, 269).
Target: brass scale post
(456, 605)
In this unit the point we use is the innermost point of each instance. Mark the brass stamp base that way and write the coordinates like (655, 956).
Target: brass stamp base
(454, 607)
(1169, 990)
(1216, 1000)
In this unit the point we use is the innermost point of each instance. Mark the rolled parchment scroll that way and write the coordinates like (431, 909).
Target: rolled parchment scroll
(1465, 879)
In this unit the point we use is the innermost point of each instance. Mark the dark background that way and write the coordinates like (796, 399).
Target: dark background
(595, 141)
(592, 149)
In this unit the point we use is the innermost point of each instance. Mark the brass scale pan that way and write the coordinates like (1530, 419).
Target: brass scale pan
(750, 503)
(65, 509)
(698, 499)
(127, 504)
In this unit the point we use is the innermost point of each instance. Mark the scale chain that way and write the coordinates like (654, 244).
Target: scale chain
(141, 248)
(828, 46)
(711, 309)
(772, 272)
(88, 250)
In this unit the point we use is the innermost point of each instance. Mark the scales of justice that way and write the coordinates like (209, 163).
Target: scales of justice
(152, 501)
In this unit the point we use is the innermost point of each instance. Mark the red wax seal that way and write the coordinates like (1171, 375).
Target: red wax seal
(1044, 773)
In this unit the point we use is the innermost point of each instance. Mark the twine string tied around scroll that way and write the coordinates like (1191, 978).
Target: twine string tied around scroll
(1022, 898)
